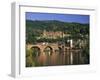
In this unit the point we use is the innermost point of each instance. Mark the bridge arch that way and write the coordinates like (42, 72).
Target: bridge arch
(35, 51)
(48, 50)
(60, 50)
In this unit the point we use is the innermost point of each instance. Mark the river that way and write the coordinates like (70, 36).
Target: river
(54, 59)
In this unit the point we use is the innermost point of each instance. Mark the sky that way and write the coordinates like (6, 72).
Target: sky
(60, 17)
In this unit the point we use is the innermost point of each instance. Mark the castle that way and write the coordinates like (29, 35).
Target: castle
(53, 34)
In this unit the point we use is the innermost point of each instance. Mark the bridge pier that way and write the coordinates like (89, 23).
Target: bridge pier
(42, 51)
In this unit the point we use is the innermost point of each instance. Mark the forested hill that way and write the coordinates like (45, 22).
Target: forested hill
(34, 29)
(54, 25)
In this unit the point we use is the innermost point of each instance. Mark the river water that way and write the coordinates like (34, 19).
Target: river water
(65, 58)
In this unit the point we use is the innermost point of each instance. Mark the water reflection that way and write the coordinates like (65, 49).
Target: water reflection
(53, 58)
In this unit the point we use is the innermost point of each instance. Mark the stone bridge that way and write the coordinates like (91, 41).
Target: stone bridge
(42, 46)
